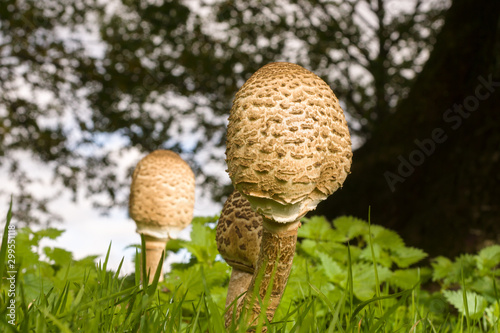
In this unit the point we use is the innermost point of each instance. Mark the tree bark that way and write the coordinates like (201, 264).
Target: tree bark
(431, 170)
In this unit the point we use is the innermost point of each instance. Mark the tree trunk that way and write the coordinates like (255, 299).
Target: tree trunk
(431, 170)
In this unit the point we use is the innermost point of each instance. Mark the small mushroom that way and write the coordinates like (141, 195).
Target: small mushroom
(239, 232)
(288, 148)
(161, 202)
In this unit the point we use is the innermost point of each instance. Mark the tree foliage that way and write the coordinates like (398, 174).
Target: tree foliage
(87, 88)
(450, 186)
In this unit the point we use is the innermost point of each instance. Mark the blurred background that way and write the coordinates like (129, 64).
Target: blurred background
(89, 87)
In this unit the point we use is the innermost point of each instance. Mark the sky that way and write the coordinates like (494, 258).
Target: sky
(88, 232)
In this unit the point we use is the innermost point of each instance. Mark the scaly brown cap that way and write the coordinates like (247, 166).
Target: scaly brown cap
(162, 194)
(288, 144)
(239, 233)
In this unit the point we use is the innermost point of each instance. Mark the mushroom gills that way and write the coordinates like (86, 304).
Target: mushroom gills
(159, 232)
(279, 212)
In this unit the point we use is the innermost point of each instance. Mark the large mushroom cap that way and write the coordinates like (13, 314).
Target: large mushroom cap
(239, 233)
(162, 194)
(288, 144)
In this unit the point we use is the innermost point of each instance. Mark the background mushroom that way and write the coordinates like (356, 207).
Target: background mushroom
(161, 201)
(239, 233)
(288, 148)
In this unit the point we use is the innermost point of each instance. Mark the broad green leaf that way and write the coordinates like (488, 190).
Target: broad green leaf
(488, 258)
(364, 279)
(451, 272)
(441, 268)
(492, 313)
(485, 286)
(202, 244)
(34, 284)
(385, 238)
(51, 233)
(381, 256)
(60, 257)
(465, 264)
(219, 294)
(24, 252)
(350, 227)
(303, 273)
(204, 219)
(476, 304)
(335, 250)
(77, 270)
(309, 246)
(333, 271)
(407, 278)
(190, 280)
(316, 228)
(175, 245)
(407, 256)
(87, 261)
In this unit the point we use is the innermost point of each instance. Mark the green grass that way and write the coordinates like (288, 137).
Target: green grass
(348, 276)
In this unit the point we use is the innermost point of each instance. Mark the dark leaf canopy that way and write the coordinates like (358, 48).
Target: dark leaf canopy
(88, 88)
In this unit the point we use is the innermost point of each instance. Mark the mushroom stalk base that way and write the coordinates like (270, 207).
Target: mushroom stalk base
(238, 284)
(275, 257)
(154, 248)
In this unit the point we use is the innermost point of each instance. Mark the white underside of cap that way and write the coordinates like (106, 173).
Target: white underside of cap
(282, 213)
(160, 233)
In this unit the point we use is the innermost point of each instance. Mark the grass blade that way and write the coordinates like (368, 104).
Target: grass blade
(464, 294)
(350, 282)
(212, 308)
(377, 283)
(3, 248)
(145, 275)
(360, 306)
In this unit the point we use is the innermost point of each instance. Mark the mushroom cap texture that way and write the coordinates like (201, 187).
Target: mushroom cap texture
(288, 144)
(162, 194)
(239, 233)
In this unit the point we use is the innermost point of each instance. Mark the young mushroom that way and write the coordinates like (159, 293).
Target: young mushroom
(239, 232)
(288, 148)
(161, 202)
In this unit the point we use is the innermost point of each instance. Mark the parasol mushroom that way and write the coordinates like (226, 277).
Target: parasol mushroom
(288, 148)
(161, 201)
(239, 232)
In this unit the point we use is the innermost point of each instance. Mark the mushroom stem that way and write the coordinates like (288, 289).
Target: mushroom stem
(154, 248)
(238, 284)
(275, 258)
